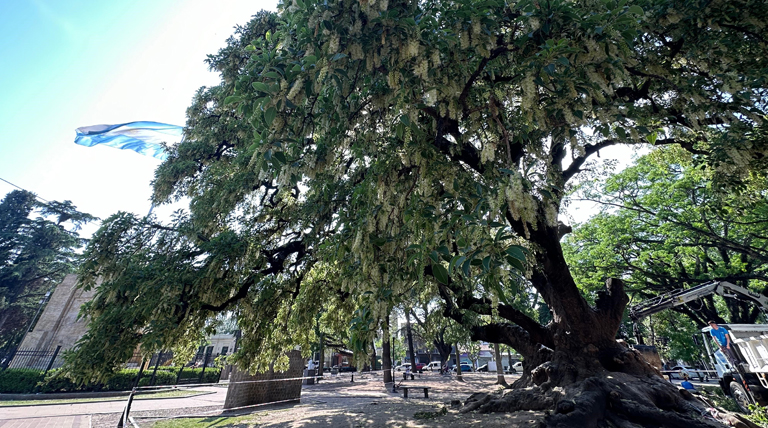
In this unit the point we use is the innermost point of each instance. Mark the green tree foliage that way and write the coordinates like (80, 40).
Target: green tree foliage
(38, 244)
(666, 226)
(356, 150)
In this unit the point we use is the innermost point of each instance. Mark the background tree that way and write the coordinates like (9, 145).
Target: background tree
(666, 226)
(356, 150)
(38, 244)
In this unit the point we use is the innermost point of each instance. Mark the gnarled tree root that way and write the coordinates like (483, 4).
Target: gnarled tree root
(604, 400)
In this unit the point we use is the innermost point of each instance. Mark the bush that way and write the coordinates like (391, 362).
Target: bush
(24, 381)
(19, 381)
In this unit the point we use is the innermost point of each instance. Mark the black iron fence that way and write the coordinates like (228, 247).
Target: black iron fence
(34, 359)
(159, 369)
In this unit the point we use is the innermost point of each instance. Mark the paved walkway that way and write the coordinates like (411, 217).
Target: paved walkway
(77, 415)
(79, 421)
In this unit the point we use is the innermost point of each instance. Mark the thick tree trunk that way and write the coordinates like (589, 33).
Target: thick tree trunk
(499, 366)
(444, 349)
(322, 355)
(586, 378)
(458, 363)
(409, 335)
(386, 354)
(373, 355)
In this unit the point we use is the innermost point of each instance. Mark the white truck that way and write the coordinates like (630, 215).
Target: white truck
(747, 382)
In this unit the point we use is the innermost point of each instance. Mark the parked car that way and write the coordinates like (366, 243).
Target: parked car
(434, 365)
(518, 367)
(509, 370)
(483, 368)
(464, 368)
(681, 372)
(405, 366)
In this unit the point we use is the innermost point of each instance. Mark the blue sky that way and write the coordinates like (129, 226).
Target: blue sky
(73, 63)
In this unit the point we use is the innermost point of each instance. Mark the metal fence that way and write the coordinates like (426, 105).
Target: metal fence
(45, 360)
(34, 359)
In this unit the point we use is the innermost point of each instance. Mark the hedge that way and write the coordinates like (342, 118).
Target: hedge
(24, 381)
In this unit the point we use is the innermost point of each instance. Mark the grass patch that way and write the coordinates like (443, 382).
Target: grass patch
(718, 398)
(168, 394)
(246, 421)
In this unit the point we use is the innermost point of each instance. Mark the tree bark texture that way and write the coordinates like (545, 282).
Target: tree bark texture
(409, 335)
(386, 353)
(499, 366)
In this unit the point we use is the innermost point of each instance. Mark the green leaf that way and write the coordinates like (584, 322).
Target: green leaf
(440, 273)
(637, 10)
(232, 99)
(517, 252)
(652, 138)
(300, 4)
(269, 115)
(465, 267)
(434, 256)
(379, 241)
(259, 86)
(517, 264)
(444, 250)
(405, 120)
(487, 263)
(456, 260)
(280, 156)
(338, 56)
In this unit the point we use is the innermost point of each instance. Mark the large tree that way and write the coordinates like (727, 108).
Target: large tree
(38, 247)
(356, 150)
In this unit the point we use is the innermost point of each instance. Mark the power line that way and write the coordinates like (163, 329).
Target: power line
(21, 188)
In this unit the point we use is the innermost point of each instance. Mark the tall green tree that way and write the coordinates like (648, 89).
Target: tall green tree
(667, 226)
(38, 247)
(356, 150)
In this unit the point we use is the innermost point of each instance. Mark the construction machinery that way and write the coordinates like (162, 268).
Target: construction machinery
(746, 378)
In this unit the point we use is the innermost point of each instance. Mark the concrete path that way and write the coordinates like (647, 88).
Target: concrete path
(77, 415)
(54, 422)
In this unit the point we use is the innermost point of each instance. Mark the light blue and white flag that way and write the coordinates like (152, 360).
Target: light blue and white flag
(141, 137)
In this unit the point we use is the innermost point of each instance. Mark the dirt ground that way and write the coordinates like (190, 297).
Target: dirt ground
(367, 403)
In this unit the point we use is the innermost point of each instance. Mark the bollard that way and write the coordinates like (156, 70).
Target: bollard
(353, 377)
(124, 422)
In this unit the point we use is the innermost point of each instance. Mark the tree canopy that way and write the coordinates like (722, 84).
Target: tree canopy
(667, 226)
(38, 247)
(356, 150)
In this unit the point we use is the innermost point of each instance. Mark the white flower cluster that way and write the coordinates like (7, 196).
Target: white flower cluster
(421, 69)
(488, 154)
(435, 58)
(464, 39)
(333, 44)
(295, 90)
(430, 97)
(356, 51)
(393, 79)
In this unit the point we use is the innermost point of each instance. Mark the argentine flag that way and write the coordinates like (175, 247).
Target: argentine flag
(141, 137)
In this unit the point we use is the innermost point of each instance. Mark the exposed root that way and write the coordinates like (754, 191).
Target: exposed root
(607, 400)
